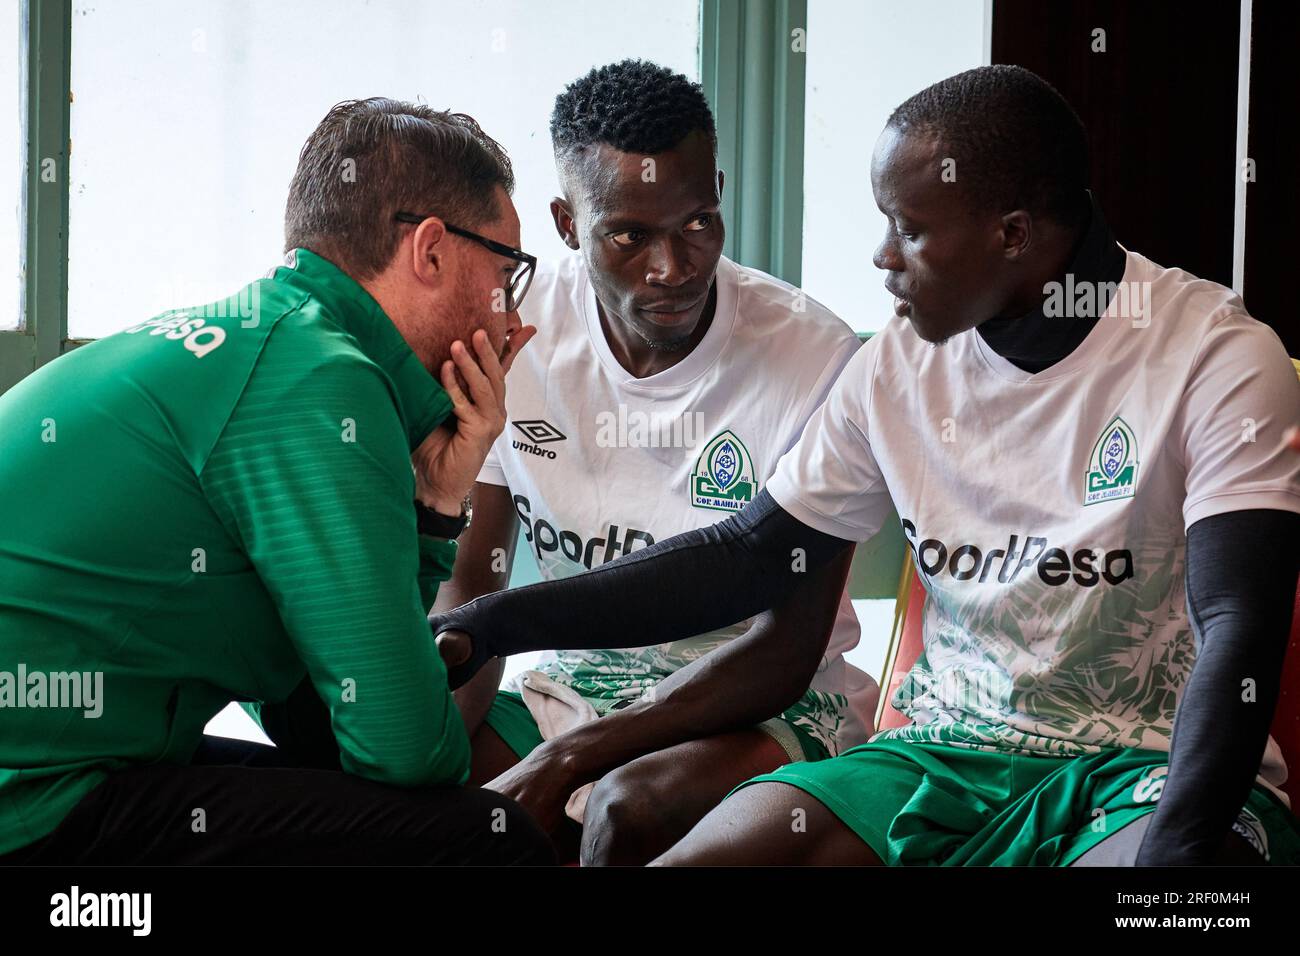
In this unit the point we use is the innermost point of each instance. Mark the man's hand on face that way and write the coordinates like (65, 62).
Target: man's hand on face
(449, 459)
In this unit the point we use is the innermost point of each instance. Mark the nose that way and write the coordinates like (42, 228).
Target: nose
(669, 263)
(886, 255)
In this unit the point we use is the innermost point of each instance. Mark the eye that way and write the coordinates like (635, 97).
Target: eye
(700, 222)
(626, 239)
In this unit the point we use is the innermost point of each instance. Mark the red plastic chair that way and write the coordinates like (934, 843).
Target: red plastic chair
(1286, 720)
(907, 648)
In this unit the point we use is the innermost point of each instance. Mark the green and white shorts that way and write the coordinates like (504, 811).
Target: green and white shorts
(942, 805)
(804, 731)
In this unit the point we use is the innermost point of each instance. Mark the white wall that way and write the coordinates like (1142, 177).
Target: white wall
(864, 58)
(188, 116)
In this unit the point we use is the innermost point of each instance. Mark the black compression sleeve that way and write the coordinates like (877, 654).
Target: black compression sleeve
(1241, 585)
(679, 587)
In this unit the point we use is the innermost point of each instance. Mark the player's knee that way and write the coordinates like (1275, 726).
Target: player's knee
(623, 812)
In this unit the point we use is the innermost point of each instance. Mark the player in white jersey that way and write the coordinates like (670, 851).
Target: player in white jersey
(1086, 453)
(665, 385)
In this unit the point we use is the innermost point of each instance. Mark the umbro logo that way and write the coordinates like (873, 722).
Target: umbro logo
(539, 431)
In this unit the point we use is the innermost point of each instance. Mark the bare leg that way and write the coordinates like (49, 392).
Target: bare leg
(770, 824)
(641, 809)
(490, 756)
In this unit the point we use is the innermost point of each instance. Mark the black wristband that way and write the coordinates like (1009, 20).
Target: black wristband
(431, 523)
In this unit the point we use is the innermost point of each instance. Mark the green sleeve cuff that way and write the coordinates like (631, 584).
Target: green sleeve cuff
(437, 558)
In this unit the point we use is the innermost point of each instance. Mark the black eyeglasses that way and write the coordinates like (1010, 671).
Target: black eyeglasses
(523, 275)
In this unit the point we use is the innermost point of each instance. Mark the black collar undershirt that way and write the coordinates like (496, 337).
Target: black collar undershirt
(1034, 341)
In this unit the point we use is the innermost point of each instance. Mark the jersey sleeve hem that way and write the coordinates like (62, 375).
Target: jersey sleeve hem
(1246, 499)
(790, 502)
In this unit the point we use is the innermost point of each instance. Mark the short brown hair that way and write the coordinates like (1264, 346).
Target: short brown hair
(370, 158)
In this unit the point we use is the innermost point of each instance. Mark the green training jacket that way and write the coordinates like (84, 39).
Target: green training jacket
(208, 507)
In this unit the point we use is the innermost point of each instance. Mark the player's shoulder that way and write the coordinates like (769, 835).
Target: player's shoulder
(555, 307)
(781, 320)
(1199, 317)
(556, 282)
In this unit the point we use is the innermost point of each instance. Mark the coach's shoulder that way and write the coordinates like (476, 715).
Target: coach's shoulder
(310, 352)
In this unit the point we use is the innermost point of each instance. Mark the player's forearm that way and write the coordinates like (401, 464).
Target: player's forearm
(437, 558)
(482, 567)
(1214, 761)
(744, 682)
(738, 685)
(688, 584)
(1241, 579)
(485, 551)
(475, 698)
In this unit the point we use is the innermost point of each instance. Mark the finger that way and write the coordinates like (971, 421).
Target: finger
(454, 646)
(480, 389)
(449, 384)
(515, 345)
(490, 364)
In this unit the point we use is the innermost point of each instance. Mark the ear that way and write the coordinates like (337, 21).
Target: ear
(721, 177)
(1017, 233)
(565, 224)
(428, 251)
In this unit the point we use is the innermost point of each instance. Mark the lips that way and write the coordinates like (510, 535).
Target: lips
(902, 304)
(669, 308)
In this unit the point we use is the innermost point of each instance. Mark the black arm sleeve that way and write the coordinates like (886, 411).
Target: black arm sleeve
(684, 585)
(1241, 585)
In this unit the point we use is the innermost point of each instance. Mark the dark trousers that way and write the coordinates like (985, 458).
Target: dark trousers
(239, 803)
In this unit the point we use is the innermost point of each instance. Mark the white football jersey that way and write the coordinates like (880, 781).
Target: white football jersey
(601, 463)
(1047, 512)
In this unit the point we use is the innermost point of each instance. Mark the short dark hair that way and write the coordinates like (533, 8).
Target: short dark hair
(370, 158)
(1017, 143)
(634, 106)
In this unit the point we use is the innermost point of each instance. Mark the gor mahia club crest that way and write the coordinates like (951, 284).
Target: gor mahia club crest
(1112, 465)
(723, 479)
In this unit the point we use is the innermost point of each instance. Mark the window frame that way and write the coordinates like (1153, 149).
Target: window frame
(753, 78)
(755, 81)
(42, 335)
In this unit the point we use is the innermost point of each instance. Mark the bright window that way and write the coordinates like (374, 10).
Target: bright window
(865, 58)
(188, 116)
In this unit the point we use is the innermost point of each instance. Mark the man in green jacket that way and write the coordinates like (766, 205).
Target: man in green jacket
(221, 502)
